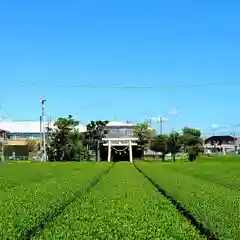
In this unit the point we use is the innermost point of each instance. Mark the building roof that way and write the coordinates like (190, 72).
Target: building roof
(220, 138)
(120, 124)
(34, 126)
(28, 126)
(3, 130)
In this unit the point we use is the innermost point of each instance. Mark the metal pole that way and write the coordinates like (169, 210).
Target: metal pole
(44, 136)
(48, 126)
(41, 137)
(43, 130)
(161, 125)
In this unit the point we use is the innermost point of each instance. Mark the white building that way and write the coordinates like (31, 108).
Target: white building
(20, 131)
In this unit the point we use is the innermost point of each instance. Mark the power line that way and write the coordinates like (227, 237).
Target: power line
(125, 86)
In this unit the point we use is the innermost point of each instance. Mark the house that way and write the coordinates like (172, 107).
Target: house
(221, 144)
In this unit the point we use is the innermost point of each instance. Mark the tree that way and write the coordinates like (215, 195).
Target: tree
(2, 150)
(33, 146)
(77, 150)
(160, 144)
(4, 135)
(144, 135)
(192, 131)
(65, 142)
(96, 131)
(174, 143)
(192, 142)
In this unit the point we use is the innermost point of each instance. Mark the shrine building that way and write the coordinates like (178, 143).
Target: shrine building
(120, 144)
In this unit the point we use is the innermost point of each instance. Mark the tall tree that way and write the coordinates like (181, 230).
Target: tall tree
(144, 135)
(96, 131)
(192, 142)
(77, 150)
(174, 143)
(64, 143)
(160, 144)
(192, 131)
(4, 135)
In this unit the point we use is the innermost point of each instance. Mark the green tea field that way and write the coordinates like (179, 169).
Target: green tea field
(144, 200)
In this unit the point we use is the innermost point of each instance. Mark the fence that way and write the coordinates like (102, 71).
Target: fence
(16, 158)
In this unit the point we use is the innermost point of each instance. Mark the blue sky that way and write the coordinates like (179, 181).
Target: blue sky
(123, 42)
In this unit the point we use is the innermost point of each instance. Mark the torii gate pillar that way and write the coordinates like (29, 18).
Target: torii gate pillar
(130, 151)
(128, 142)
(109, 150)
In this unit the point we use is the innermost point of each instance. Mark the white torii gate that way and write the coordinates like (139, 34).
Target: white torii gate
(115, 142)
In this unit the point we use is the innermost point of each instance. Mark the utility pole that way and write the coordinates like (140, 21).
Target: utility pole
(161, 125)
(43, 130)
(161, 121)
(41, 137)
(49, 126)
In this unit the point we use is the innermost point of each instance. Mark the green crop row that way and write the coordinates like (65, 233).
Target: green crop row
(215, 206)
(17, 175)
(123, 205)
(222, 173)
(29, 205)
(13, 175)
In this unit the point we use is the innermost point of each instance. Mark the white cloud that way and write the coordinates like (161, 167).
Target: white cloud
(173, 111)
(215, 126)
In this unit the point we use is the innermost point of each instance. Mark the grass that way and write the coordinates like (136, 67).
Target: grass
(147, 200)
